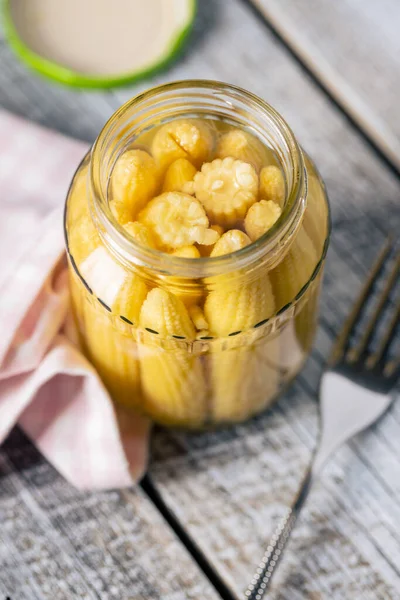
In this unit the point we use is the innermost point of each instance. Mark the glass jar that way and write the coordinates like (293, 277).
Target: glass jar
(264, 296)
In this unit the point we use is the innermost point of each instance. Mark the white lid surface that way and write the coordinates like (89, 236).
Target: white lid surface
(106, 38)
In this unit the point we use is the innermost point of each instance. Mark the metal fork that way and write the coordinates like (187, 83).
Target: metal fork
(354, 391)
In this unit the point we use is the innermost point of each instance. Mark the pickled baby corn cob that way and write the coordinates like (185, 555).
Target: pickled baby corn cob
(231, 307)
(316, 213)
(113, 352)
(130, 298)
(243, 378)
(230, 241)
(243, 146)
(272, 184)
(289, 277)
(83, 239)
(134, 181)
(110, 342)
(198, 318)
(190, 292)
(177, 220)
(121, 291)
(218, 228)
(179, 173)
(226, 188)
(206, 250)
(140, 233)
(189, 295)
(295, 269)
(122, 214)
(185, 138)
(172, 380)
(187, 252)
(260, 218)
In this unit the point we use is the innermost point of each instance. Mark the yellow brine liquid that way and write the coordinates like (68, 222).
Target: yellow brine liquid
(196, 351)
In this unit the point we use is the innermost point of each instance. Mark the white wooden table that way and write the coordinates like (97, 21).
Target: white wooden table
(199, 523)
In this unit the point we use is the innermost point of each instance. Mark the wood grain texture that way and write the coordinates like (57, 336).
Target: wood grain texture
(353, 48)
(57, 543)
(228, 488)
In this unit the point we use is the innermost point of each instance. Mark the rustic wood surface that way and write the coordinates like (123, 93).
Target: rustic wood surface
(353, 47)
(57, 543)
(226, 489)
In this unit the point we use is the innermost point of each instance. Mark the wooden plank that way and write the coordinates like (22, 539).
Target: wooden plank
(229, 488)
(57, 543)
(353, 48)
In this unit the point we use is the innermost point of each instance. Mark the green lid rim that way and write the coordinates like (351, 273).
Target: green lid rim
(56, 72)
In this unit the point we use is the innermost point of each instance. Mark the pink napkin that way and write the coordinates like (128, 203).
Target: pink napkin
(46, 385)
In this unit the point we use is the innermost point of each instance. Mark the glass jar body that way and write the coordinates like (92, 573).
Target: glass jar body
(265, 313)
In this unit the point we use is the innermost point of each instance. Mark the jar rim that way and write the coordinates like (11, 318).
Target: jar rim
(127, 249)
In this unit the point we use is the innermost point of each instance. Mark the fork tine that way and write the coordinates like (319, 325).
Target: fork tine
(356, 352)
(343, 338)
(387, 339)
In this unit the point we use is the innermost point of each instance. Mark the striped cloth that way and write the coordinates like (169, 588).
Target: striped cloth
(46, 385)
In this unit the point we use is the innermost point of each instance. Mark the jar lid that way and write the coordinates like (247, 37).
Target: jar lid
(97, 43)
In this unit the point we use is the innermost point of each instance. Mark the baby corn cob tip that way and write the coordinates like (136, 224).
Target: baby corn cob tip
(261, 217)
(173, 381)
(206, 250)
(230, 308)
(272, 184)
(179, 173)
(130, 298)
(134, 181)
(187, 252)
(140, 233)
(241, 376)
(165, 313)
(230, 241)
(191, 139)
(226, 188)
(243, 146)
(83, 240)
(198, 318)
(177, 220)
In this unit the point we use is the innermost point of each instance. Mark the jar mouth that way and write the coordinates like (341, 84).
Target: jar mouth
(196, 98)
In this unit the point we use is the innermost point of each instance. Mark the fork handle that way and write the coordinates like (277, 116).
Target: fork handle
(262, 577)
